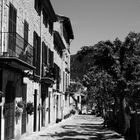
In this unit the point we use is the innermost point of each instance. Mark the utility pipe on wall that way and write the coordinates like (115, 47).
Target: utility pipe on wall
(2, 1)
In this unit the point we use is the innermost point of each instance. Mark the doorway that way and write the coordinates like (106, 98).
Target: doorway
(35, 110)
(57, 107)
(9, 110)
(0, 99)
(24, 94)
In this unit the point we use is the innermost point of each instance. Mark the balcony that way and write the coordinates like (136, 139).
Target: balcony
(16, 51)
(47, 74)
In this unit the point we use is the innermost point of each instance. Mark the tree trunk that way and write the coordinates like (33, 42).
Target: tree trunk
(121, 116)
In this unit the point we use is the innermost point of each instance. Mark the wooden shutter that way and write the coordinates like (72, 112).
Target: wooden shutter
(26, 28)
(51, 55)
(12, 27)
(44, 53)
(38, 6)
(35, 49)
(45, 18)
(50, 27)
(38, 54)
(12, 19)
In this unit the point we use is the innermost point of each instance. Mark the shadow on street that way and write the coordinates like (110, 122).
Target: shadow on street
(85, 131)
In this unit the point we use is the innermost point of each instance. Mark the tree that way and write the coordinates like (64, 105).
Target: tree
(100, 86)
(73, 88)
(119, 61)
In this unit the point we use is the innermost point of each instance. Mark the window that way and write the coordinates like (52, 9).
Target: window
(44, 53)
(45, 67)
(38, 6)
(45, 18)
(63, 81)
(50, 27)
(59, 51)
(36, 53)
(51, 58)
(12, 18)
(66, 35)
(12, 28)
(57, 75)
(78, 99)
(26, 28)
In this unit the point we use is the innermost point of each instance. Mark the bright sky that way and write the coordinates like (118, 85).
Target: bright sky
(96, 20)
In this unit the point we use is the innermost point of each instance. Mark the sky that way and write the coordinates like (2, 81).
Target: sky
(99, 20)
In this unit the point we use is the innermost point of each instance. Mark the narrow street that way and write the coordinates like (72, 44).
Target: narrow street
(78, 127)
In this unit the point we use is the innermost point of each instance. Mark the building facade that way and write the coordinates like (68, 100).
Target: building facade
(63, 35)
(34, 66)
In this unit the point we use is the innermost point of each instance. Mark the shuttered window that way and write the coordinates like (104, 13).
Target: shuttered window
(38, 6)
(57, 75)
(12, 27)
(12, 18)
(36, 53)
(50, 27)
(35, 49)
(45, 18)
(26, 28)
(51, 58)
(44, 53)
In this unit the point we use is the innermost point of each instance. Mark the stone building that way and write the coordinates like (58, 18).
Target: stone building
(63, 34)
(34, 66)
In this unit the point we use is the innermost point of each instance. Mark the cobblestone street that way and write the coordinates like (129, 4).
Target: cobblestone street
(78, 127)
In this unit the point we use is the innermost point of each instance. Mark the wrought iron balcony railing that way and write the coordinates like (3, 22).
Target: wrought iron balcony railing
(48, 71)
(15, 46)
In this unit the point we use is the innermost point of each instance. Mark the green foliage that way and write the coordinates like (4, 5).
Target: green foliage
(113, 73)
(21, 104)
(75, 87)
(29, 108)
(120, 60)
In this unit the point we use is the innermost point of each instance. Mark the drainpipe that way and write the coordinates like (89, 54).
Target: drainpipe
(40, 111)
(2, 1)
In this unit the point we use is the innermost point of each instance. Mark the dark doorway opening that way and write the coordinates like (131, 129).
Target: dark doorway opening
(24, 95)
(9, 109)
(35, 109)
(0, 98)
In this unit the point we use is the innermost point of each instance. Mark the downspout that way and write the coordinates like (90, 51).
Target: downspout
(2, 1)
(40, 111)
(0, 54)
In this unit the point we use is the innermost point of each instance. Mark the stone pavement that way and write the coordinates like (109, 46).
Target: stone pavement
(77, 127)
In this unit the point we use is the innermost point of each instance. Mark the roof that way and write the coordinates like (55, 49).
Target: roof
(67, 24)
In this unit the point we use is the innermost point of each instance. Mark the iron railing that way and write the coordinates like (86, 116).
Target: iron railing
(15, 46)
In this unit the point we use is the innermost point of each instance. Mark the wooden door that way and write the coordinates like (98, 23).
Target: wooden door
(24, 95)
(43, 111)
(35, 111)
(0, 99)
(9, 110)
(57, 106)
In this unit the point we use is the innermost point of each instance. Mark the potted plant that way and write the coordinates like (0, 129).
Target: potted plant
(21, 104)
(29, 108)
(19, 108)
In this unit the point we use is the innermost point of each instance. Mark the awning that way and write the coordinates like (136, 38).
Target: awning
(47, 80)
